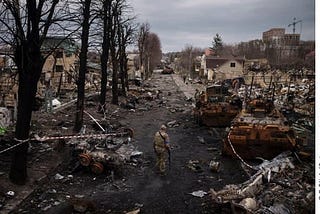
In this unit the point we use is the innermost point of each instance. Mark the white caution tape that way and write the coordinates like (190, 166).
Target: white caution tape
(234, 151)
(46, 138)
(95, 121)
(11, 147)
(21, 141)
(95, 136)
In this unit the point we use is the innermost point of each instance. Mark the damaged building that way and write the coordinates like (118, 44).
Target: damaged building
(220, 68)
(58, 71)
(281, 46)
(61, 66)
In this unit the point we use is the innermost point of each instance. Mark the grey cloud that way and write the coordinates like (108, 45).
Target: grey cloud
(235, 20)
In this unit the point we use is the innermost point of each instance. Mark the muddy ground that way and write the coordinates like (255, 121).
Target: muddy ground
(137, 186)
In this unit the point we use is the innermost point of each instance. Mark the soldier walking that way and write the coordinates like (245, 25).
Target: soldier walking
(161, 147)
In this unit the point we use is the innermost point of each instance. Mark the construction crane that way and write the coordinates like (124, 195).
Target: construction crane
(294, 24)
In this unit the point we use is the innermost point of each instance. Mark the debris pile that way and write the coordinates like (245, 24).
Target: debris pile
(277, 115)
(106, 155)
(194, 165)
(277, 185)
(139, 96)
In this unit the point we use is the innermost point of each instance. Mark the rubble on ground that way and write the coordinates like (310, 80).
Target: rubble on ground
(281, 185)
(277, 184)
(104, 155)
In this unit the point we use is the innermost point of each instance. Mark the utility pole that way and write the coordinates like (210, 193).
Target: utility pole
(294, 24)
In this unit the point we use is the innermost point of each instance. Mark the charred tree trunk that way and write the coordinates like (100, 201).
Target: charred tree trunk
(26, 34)
(115, 95)
(29, 75)
(127, 38)
(122, 78)
(122, 57)
(26, 95)
(29, 63)
(115, 66)
(142, 46)
(114, 54)
(83, 65)
(105, 53)
(126, 74)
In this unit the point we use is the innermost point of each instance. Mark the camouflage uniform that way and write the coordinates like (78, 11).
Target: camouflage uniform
(160, 147)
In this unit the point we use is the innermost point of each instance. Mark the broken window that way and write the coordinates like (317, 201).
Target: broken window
(42, 77)
(69, 79)
(59, 54)
(232, 65)
(59, 68)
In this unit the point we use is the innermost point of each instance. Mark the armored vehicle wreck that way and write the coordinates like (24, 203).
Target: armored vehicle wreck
(259, 130)
(216, 106)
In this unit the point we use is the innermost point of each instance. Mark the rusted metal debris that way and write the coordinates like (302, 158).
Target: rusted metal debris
(106, 155)
(259, 130)
(276, 185)
(216, 106)
(102, 152)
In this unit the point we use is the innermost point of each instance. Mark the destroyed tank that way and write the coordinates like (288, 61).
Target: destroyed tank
(216, 107)
(259, 130)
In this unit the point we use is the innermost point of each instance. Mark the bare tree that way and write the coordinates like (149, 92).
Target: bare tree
(149, 47)
(24, 26)
(107, 25)
(121, 32)
(153, 52)
(143, 33)
(252, 50)
(126, 37)
(83, 64)
(115, 13)
(186, 60)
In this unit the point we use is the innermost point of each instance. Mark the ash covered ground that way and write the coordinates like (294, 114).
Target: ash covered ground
(135, 186)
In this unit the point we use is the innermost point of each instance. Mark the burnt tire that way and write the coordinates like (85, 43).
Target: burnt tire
(97, 168)
(85, 159)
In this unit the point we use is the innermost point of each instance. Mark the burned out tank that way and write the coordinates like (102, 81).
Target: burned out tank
(216, 106)
(259, 130)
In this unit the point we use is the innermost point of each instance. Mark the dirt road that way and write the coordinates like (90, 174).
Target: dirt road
(139, 187)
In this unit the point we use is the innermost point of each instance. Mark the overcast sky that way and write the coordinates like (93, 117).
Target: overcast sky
(195, 22)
